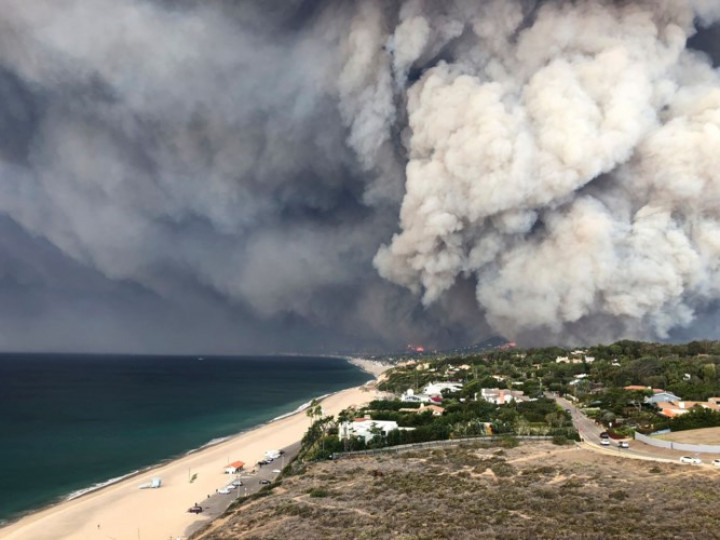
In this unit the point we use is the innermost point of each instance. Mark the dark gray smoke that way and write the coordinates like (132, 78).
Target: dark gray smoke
(228, 176)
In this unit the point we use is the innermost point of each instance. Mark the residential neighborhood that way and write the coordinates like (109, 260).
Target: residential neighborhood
(627, 389)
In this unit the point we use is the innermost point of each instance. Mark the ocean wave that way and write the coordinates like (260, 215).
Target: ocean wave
(100, 485)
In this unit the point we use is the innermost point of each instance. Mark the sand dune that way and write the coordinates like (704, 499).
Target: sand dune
(123, 511)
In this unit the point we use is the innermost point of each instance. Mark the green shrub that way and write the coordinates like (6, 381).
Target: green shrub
(560, 440)
(508, 441)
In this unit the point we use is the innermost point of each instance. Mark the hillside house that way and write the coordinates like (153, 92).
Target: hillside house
(409, 396)
(677, 408)
(436, 410)
(568, 360)
(662, 397)
(367, 428)
(436, 388)
(575, 357)
(501, 397)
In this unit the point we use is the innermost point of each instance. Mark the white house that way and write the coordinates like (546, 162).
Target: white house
(501, 397)
(367, 428)
(409, 396)
(573, 358)
(436, 388)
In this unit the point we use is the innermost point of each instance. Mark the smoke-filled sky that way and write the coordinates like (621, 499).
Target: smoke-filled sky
(238, 176)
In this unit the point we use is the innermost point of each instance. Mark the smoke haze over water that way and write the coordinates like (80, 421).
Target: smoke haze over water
(229, 176)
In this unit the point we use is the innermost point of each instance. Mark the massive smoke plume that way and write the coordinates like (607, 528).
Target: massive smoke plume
(262, 175)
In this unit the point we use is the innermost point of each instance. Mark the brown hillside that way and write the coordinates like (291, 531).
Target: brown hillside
(532, 491)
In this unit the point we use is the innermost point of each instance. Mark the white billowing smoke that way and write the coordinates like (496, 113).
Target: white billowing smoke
(566, 157)
(554, 163)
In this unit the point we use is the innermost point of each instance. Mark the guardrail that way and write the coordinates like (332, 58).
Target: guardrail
(436, 444)
(683, 447)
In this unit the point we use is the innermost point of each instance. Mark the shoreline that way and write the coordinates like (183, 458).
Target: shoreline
(371, 367)
(90, 489)
(109, 505)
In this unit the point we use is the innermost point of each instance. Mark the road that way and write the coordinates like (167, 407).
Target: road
(587, 428)
(590, 435)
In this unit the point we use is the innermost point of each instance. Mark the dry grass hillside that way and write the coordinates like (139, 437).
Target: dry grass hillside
(531, 491)
(694, 436)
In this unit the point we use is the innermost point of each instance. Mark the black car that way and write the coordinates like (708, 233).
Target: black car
(263, 481)
(262, 462)
(195, 509)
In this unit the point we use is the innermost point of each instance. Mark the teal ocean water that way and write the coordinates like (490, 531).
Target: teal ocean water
(70, 422)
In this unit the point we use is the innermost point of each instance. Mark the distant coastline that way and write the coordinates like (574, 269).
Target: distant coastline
(372, 367)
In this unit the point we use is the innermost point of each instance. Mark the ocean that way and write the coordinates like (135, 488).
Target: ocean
(71, 422)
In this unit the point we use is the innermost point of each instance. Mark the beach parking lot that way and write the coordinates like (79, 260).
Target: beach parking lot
(216, 503)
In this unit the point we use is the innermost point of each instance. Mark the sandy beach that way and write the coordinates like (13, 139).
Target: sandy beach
(373, 367)
(122, 511)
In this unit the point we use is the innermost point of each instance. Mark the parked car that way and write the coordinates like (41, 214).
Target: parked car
(604, 442)
(225, 490)
(262, 462)
(604, 435)
(716, 462)
(236, 483)
(688, 459)
(195, 509)
(263, 481)
(623, 444)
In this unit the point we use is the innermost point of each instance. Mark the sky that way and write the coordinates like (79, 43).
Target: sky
(313, 176)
